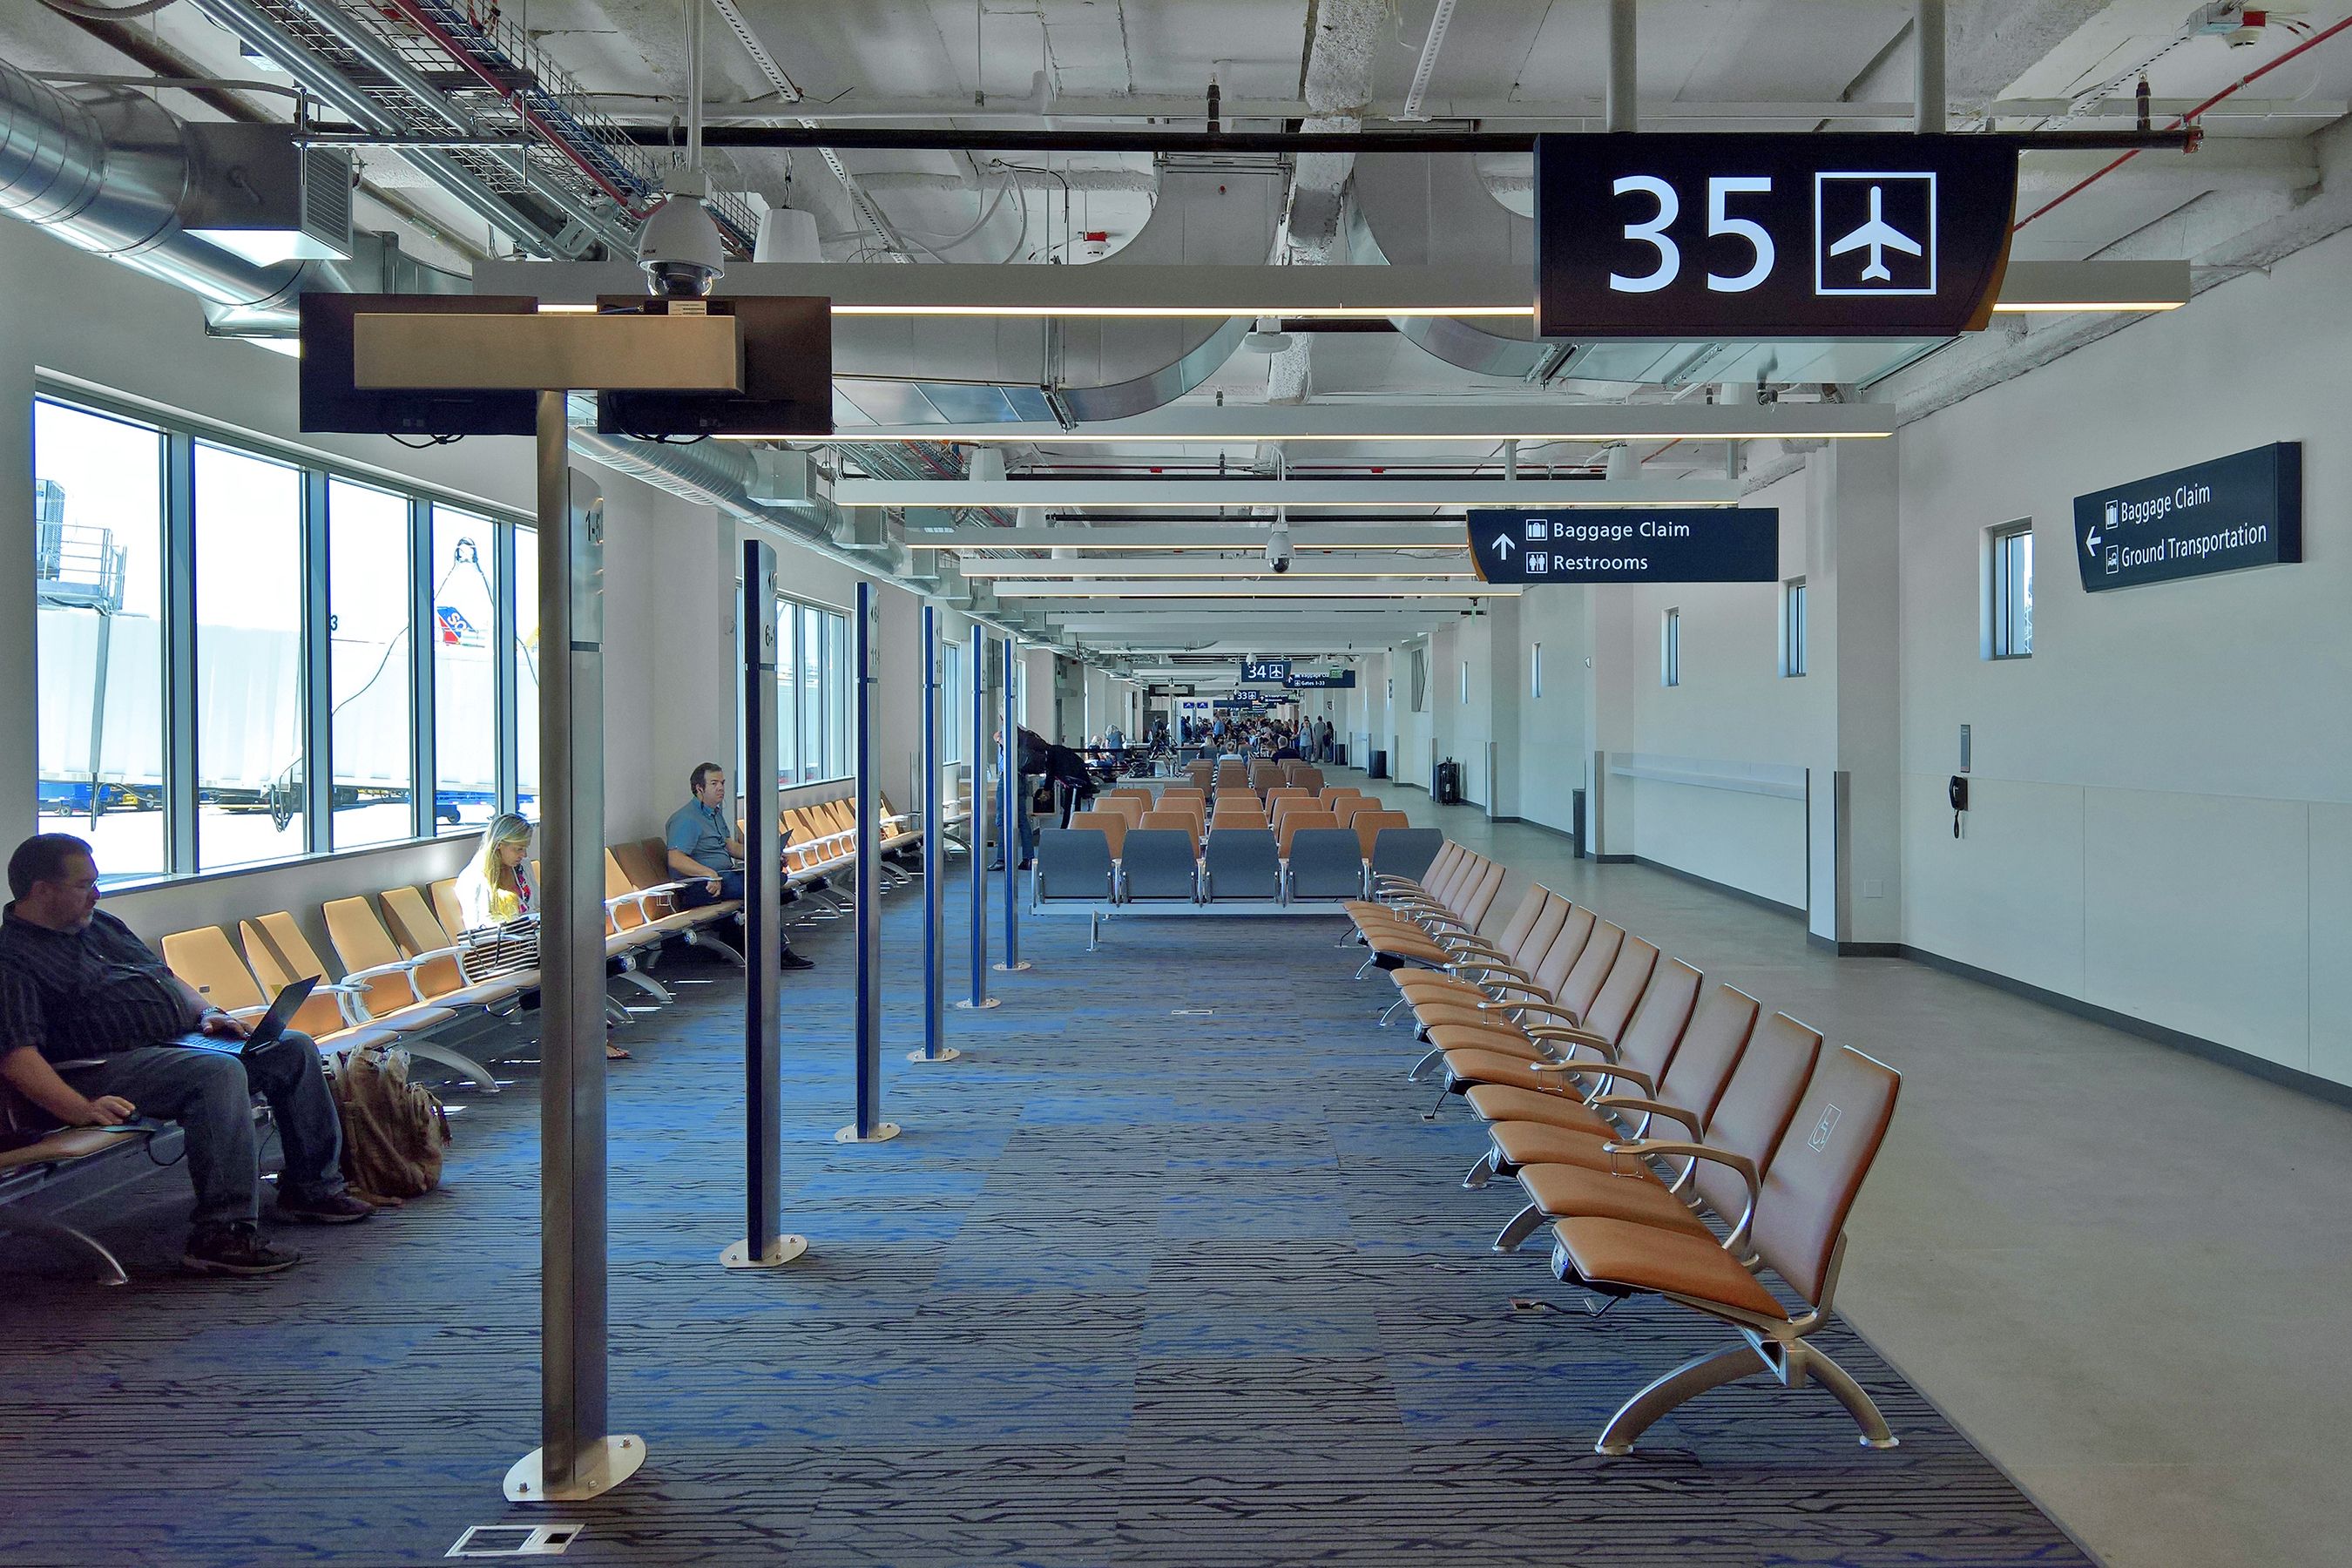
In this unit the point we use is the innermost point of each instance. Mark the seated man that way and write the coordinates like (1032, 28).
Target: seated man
(88, 1017)
(707, 853)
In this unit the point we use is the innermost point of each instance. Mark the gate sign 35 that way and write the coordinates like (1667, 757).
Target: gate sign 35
(1745, 237)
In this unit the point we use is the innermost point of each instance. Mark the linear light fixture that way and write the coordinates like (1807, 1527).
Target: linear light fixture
(1157, 494)
(1485, 423)
(1150, 290)
(1286, 587)
(1119, 538)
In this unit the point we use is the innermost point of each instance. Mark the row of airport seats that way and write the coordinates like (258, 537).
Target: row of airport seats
(1305, 846)
(1252, 776)
(401, 984)
(1678, 1143)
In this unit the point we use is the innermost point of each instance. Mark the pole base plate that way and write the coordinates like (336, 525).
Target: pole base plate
(883, 1132)
(1013, 968)
(982, 1005)
(603, 1466)
(947, 1053)
(779, 1252)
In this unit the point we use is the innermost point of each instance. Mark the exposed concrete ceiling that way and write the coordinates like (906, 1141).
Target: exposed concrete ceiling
(2275, 175)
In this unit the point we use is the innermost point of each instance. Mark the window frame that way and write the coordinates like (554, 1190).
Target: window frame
(316, 472)
(807, 628)
(2000, 618)
(1670, 646)
(1796, 621)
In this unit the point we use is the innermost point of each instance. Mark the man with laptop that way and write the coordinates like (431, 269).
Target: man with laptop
(97, 1031)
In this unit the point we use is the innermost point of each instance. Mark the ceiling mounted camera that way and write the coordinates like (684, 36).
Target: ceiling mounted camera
(679, 250)
(1277, 547)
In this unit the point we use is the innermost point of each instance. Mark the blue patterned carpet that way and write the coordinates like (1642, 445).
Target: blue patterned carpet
(1133, 1288)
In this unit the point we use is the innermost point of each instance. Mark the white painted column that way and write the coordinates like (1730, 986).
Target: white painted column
(1853, 598)
(1506, 690)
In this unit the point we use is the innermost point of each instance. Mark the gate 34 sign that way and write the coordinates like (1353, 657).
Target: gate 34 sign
(1744, 237)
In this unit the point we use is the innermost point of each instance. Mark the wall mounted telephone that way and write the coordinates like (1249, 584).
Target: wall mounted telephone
(1959, 801)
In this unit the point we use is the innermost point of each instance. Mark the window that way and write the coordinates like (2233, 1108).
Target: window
(1534, 671)
(250, 779)
(98, 497)
(1792, 626)
(523, 615)
(812, 696)
(2010, 602)
(1466, 683)
(1670, 650)
(465, 684)
(368, 664)
(233, 645)
(953, 701)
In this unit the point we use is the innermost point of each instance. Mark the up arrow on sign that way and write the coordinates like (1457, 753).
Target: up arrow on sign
(1503, 545)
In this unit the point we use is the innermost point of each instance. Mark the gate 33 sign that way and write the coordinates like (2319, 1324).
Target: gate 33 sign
(1744, 237)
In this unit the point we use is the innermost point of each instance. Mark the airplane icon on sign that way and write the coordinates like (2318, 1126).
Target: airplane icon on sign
(1880, 236)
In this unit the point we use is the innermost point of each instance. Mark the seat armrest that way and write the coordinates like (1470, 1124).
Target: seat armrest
(405, 968)
(1653, 1107)
(1549, 1009)
(1671, 1147)
(1551, 1040)
(1513, 988)
(1473, 944)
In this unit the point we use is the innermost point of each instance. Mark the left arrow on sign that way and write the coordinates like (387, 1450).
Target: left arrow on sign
(2091, 542)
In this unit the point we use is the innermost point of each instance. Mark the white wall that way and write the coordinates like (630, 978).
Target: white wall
(2162, 795)
(2161, 808)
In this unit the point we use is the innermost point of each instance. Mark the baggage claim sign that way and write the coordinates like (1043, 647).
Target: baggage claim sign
(1627, 544)
(2234, 512)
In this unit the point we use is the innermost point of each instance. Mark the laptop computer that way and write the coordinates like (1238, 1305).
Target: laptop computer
(266, 1029)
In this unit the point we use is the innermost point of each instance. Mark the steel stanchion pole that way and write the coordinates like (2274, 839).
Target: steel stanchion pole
(577, 1457)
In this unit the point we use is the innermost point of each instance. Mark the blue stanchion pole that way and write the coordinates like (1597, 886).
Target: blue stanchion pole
(935, 894)
(977, 830)
(870, 1127)
(1010, 799)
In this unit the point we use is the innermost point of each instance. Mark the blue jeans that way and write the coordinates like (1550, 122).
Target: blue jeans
(697, 893)
(1021, 813)
(210, 1095)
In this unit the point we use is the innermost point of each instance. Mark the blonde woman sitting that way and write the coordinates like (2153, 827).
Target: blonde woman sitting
(495, 888)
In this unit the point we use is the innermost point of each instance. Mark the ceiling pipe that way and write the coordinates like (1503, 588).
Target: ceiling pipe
(901, 139)
(1927, 41)
(1621, 107)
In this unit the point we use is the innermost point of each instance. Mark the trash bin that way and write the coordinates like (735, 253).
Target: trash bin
(1380, 768)
(1445, 788)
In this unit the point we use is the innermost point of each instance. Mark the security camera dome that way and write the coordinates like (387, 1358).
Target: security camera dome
(680, 250)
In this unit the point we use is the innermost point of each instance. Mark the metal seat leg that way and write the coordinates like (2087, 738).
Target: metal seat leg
(1685, 1382)
(1524, 1224)
(1430, 1059)
(72, 1240)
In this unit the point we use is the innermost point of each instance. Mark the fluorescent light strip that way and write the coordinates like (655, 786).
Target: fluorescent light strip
(2060, 308)
(1053, 437)
(1360, 313)
(1079, 543)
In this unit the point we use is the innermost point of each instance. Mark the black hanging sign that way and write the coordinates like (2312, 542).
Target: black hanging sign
(1771, 235)
(1627, 544)
(2242, 510)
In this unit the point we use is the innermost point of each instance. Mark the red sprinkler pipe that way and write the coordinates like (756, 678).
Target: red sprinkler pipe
(2255, 74)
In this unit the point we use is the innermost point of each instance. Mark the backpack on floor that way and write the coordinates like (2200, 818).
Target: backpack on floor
(393, 1131)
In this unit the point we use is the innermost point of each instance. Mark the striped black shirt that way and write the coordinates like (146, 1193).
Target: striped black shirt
(87, 993)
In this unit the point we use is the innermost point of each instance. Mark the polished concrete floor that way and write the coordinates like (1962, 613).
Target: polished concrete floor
(2120, 1268)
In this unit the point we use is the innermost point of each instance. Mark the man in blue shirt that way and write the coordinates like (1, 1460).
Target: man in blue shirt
(705, 853)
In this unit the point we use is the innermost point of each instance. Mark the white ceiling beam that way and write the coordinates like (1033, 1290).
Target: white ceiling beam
(1524, 419)
(862, 109)
(1380, 491)
(1121, 538)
